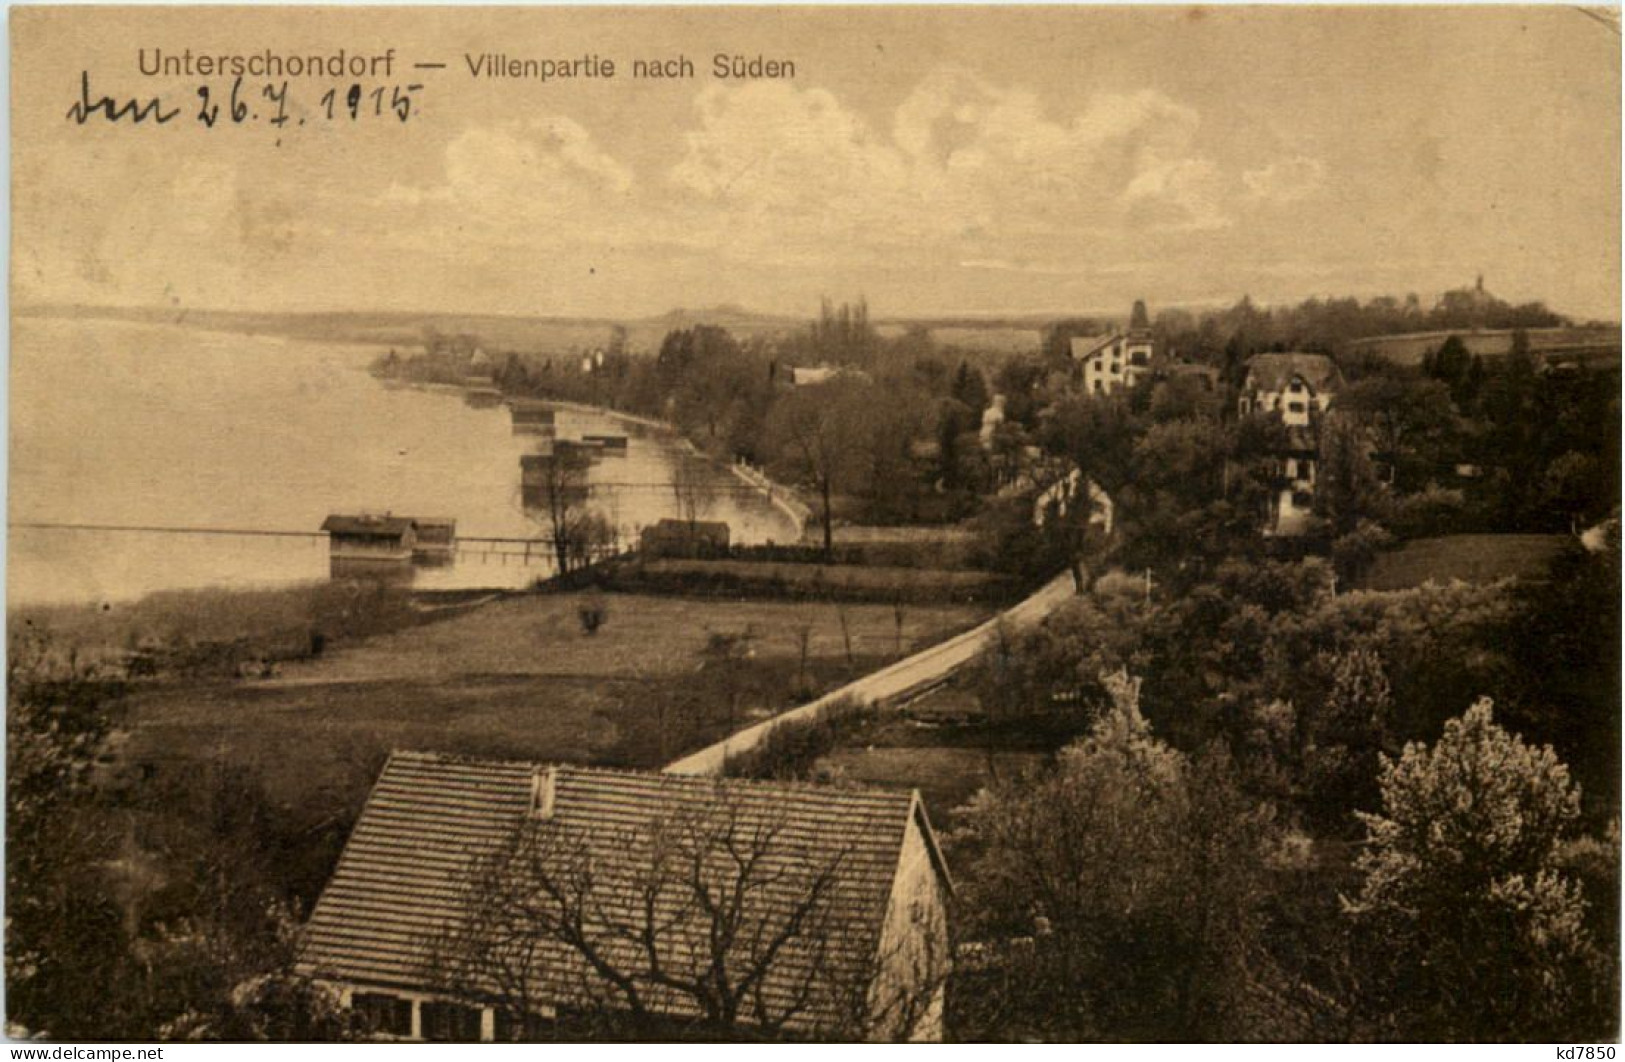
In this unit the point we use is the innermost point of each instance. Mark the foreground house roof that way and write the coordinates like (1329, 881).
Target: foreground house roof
(400, 882)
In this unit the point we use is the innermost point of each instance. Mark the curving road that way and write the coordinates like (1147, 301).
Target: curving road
(906, 678)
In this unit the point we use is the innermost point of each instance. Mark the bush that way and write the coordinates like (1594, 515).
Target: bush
(1353, 553)
(1430, 512)
(593, 611)
(791, 749)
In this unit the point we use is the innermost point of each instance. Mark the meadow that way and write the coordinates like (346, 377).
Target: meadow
(519, 678)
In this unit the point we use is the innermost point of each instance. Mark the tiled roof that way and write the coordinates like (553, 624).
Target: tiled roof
(399, 883)
(1083, 346)
(1273, 372)
(390, 526)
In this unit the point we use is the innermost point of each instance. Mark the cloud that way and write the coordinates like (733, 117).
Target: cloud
(1184, 195)
(783, 188)
(546, 169)
(1285, 181)
(967, 169)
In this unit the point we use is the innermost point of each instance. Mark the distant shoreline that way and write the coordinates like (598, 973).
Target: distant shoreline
(782, 498)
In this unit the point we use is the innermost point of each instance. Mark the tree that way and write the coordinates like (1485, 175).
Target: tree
(1343, 736)
(814, 429)
(691, 491)
(1409, 421)
(969, 389)
(1098, 434)
(559, 500)
(1348, 491)
(883, 470)
(66, 941)
(1452, 365)
(1465, 925)
(843, 336)
(1134, 870)
(706, 923)
(266, 999)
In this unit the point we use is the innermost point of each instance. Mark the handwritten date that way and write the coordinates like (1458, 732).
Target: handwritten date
(243, 104)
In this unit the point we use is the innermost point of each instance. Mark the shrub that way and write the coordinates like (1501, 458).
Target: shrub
(593, 611)
(791, 749)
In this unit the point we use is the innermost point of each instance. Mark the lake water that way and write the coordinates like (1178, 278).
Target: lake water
(166, 426)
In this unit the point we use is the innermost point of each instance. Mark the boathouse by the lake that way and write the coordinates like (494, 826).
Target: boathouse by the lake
(436, 539)
(383, 538)
(685, 538)
(531, 417)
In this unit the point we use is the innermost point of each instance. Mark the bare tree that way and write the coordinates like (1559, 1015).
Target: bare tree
(557, 498)
(814, 441)
(690, 491)
(711, 922)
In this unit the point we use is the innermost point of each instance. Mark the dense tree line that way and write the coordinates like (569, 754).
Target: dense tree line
(1389, 852)
(886, 432)
(166, 910)
(1228, 337)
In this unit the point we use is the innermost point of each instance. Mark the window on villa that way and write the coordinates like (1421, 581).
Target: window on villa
(383, 1013)
(1098, 388)
(451, 1023)
(1295, 407)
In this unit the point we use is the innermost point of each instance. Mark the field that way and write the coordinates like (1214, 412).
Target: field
(519, 678)
(1469, 558)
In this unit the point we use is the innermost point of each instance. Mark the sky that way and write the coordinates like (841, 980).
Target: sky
(971, 160)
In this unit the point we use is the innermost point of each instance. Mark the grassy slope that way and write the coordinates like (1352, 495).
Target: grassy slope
(1470, 558)
(516, 678)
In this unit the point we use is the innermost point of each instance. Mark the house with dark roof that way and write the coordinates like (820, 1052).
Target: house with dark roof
(488, 900)
(368, 537)
(1294, 385)
(1298, 388)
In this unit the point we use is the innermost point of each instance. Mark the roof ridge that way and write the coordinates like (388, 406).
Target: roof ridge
(794, 785)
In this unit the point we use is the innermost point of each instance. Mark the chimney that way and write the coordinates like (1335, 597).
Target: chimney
(543, 787)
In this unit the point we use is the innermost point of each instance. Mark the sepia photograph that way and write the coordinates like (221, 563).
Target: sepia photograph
(693, 524)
